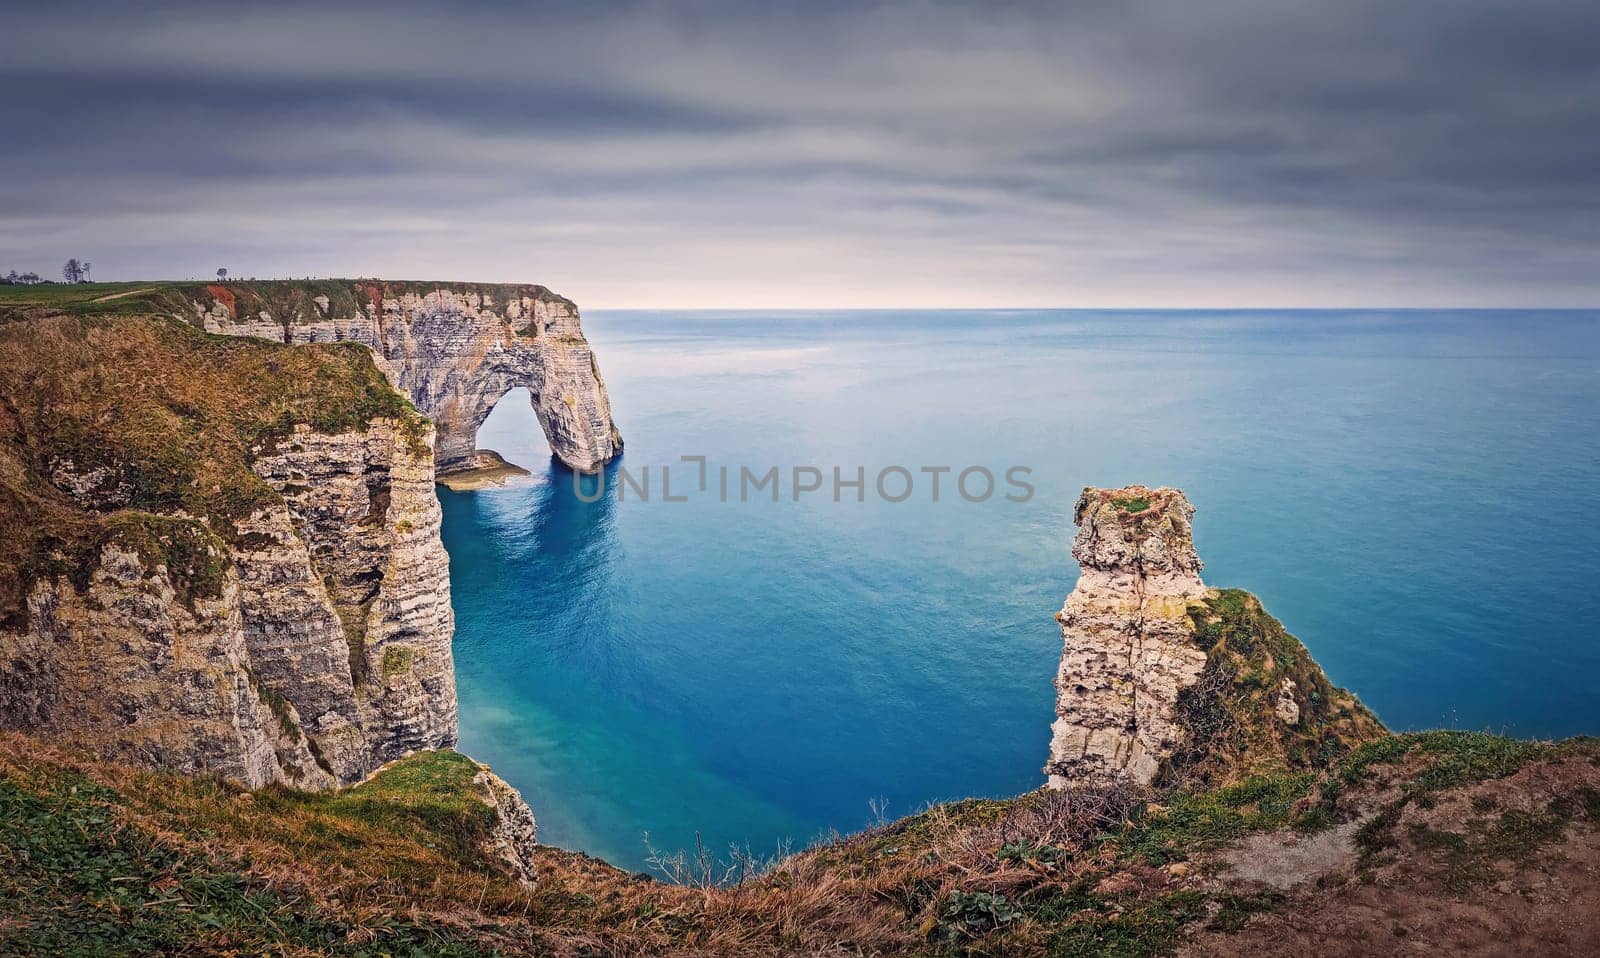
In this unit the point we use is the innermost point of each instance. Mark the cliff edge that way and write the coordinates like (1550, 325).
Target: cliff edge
(1204, 806)
(453, 348)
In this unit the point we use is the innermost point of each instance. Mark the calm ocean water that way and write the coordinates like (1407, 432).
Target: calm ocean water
(1415, 494)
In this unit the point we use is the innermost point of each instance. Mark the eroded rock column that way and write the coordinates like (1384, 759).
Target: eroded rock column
(1128, 643)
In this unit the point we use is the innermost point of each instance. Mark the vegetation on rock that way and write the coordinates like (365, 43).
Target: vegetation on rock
(138, 431)
(283, 299)
(1254, 668)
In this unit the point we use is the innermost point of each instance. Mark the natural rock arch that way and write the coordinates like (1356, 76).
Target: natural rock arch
(579, 432)
(454, 348)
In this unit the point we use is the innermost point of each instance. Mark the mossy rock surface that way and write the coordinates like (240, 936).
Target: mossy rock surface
(1232, 714)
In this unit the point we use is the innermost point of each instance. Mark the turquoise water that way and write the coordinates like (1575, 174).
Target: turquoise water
(1415, 494)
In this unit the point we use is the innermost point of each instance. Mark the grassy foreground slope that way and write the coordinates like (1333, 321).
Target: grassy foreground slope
(1447, 841)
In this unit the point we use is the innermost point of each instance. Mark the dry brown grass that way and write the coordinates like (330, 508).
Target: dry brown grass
(870, 894)
(1047, 873)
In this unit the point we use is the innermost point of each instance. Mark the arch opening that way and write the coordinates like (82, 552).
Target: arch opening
(508, 443)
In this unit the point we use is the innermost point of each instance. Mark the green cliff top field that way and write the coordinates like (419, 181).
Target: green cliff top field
(19, 301)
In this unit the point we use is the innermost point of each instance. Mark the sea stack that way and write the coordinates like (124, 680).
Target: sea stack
(1129, 646)
(1163, 679)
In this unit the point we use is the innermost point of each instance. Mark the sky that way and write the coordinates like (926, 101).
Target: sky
(1168, 153)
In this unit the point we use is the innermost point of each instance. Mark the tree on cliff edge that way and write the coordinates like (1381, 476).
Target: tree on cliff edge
(72, 272)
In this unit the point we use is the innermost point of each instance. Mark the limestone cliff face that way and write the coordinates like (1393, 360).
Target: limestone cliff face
(515, 833)
(130, 671)
(325, 653)
(363, 643)
(222, 554)
(455, 349)
(1162, 678)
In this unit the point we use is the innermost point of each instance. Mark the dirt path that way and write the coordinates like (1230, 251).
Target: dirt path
(131, 292)
(1472, 872)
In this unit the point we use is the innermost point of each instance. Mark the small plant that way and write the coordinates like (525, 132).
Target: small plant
(1028, 853)
(1131, 504)
(396, 659)
(704, 870)
(973, 915)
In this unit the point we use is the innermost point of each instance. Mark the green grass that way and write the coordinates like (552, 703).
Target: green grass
(80, 298)
(76, 879)
(1131, 504)
(1437, 761)
(1201, 820)
(429, 794)
(1139, 929)
(1448, 758)
(1471, 858)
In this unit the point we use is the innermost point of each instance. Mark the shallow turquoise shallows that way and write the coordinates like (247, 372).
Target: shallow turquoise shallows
(1415, 494)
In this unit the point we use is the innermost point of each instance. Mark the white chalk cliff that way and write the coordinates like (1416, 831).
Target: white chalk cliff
(233, 561)
(325, 653)
(1128, 644)
(453, 348)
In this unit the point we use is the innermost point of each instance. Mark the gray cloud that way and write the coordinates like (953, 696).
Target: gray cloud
(1163, 153)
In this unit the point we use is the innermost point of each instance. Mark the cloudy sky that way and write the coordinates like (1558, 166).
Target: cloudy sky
(1164, 153)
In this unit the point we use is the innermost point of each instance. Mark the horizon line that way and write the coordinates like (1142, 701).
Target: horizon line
(1088, 307)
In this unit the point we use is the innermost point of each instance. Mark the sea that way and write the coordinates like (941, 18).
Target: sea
(724, 640)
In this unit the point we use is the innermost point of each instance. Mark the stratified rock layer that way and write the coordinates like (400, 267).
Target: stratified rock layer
(128, 670)
(454, 348)
(1129, 645)
(361, 647)
(223, 554)
(326, 654)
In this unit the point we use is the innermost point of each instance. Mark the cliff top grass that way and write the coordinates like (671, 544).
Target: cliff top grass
(1131, 504)
(98, 855)
(244, 297)
(138, 430)
(1133, 500)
